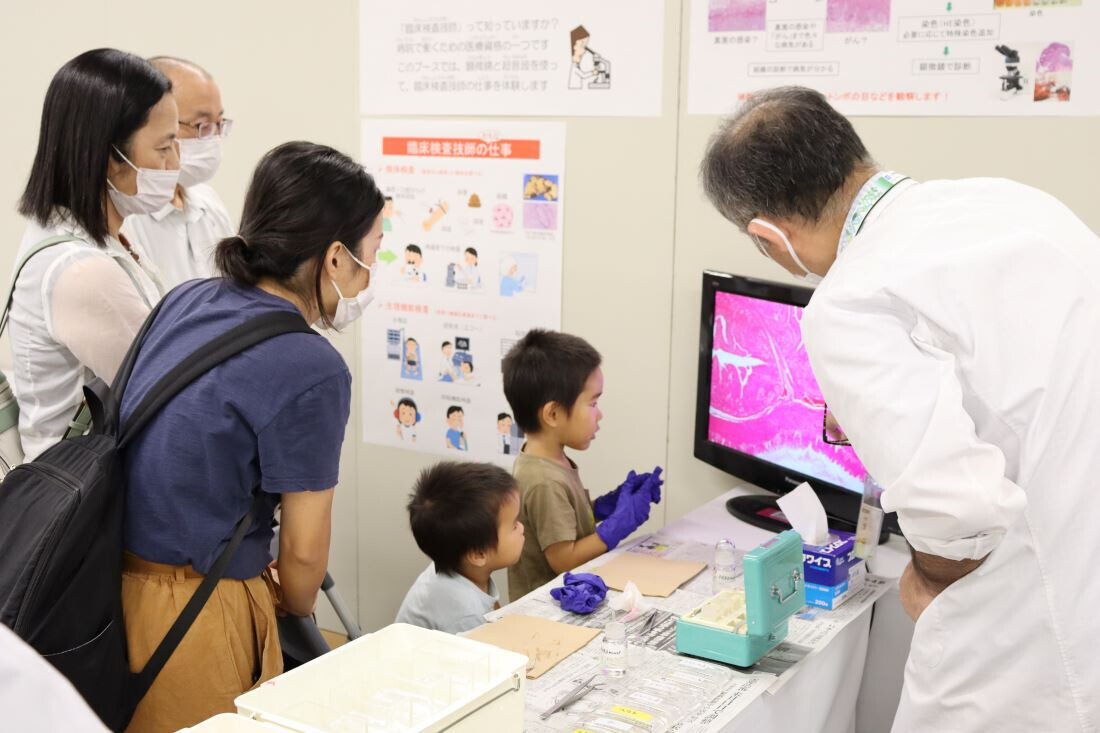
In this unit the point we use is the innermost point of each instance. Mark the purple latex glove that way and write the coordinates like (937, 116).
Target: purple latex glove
(604, 505)
(631, 511)
(652, 483)
(582, 592)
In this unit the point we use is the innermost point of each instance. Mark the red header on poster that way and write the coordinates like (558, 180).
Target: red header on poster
(433, 147)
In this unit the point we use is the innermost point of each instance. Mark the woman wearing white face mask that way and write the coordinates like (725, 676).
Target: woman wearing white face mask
(269, 420)
(106, 151)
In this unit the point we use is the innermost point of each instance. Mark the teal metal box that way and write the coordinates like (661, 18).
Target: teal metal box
(738, 627)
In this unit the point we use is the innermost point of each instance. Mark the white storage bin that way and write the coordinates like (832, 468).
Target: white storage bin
(230, 723)
(401, 679)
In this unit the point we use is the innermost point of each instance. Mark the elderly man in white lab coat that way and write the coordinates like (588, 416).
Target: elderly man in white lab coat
(180, 238)
(955, 333)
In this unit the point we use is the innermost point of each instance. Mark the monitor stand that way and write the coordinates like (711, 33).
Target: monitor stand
(764, 512)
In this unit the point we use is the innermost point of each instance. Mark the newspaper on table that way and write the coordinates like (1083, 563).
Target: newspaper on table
(809, 633)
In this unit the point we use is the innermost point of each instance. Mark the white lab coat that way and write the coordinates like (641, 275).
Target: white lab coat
(957, 341)
(581, 71)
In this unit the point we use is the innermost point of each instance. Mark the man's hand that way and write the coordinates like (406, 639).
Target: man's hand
(926, 576)
(915, 593)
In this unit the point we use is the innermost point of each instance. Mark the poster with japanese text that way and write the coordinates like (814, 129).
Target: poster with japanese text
(471, 259)
(900, 57)
(511, 57)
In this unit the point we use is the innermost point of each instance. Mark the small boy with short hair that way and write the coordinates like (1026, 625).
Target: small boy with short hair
(553, 382)
(465, 517)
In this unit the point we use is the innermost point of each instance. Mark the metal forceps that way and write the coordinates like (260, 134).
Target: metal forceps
(571, 697)
(649, 622)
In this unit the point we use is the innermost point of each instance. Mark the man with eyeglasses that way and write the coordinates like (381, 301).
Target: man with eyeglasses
(180, 238)
(954, 333)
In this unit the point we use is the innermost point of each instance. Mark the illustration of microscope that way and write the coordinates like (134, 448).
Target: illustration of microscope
(602, 68)
(1012, 80)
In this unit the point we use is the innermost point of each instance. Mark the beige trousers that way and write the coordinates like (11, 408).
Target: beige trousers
(232, 647)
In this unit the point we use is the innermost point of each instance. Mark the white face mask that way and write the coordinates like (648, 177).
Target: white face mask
(349, 310)
(810, 278)
(155, 190)
(199, 160)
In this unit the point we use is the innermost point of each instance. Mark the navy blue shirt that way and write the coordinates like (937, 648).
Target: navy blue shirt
(272, 418)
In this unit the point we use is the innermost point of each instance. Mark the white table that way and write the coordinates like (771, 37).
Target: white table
(823, 697)
(854, 684)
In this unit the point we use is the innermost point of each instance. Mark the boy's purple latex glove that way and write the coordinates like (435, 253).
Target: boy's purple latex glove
(652, 483)
(604, 505)
(582, 592)
(631, 511)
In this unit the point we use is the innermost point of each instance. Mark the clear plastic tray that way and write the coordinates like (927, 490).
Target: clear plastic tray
(725, 611)
(402, 679)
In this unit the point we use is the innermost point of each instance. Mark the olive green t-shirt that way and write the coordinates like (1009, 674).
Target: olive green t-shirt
(554, 507)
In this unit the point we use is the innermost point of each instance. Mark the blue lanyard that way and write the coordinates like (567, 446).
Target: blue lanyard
(869, 195)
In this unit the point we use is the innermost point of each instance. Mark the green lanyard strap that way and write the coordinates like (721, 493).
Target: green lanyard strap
(869, 195)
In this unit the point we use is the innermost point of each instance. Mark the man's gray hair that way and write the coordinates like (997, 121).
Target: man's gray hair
(165, 64)
(785, 154)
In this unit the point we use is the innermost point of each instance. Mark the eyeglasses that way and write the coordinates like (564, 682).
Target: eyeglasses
(207, 130)
(831, 432)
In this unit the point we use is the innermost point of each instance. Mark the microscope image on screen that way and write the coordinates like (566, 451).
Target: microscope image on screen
(586, 64)
(764, 400)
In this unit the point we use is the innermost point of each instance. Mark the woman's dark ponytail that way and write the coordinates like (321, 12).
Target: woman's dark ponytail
(231, 258)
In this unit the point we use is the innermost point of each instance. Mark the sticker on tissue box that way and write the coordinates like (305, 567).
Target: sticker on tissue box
(831, 597)
(829, 564)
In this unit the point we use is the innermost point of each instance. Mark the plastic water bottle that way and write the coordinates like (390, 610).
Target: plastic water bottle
(725, 566)
(869, 525)
(614, 649)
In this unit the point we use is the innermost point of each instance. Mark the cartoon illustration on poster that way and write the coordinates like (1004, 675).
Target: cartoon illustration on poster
(475, 213)
(511, 57)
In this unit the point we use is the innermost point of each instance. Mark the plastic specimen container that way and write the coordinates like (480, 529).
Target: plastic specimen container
(401, 679)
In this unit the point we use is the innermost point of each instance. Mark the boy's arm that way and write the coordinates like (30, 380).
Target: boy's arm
(552, 521)
(564, 556)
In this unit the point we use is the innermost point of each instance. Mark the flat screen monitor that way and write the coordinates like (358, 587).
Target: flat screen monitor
(759, 411)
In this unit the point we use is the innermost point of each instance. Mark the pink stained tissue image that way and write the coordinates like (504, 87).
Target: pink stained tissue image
(857, 16)
(764, 399)
(736, 15)
(538, 215)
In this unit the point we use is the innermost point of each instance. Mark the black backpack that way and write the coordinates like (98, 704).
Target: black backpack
(61, 535)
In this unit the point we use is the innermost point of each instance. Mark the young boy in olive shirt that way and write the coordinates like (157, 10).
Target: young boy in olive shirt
(553, 383)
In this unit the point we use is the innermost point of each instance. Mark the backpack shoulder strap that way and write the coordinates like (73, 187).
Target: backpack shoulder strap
(112, 401)
(143, 680)
(229, 344)
(44, 244)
